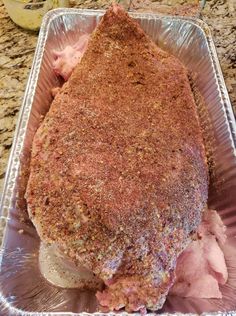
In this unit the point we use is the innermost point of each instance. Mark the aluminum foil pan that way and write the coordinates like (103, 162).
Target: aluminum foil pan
(23, 289)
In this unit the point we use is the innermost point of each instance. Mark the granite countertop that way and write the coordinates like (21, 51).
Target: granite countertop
(17, 50)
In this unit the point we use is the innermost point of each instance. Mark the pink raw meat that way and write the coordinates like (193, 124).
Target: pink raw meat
(201, 267)
(66, 60)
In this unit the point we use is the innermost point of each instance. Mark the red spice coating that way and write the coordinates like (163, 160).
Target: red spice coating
(118, 169)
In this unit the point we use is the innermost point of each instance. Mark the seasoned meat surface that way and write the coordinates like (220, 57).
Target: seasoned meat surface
(118, 169)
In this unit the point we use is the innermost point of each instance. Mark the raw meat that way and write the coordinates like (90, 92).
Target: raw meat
(119, 176)
(201, 267)
(69, 57)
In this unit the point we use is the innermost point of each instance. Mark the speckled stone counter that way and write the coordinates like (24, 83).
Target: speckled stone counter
(17, 49)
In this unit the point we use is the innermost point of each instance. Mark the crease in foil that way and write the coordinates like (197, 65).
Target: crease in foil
(23, 290)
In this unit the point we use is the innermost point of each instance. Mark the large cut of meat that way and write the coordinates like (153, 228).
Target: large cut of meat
(118, 171)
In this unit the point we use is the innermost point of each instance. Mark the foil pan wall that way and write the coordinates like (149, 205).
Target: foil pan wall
(23, 290)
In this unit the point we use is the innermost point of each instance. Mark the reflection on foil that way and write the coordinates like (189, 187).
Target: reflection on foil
(22, 285)
(19, 274)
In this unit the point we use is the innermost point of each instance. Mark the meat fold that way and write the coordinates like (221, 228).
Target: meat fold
(201, 267)
(118, 174)
(66, 60)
